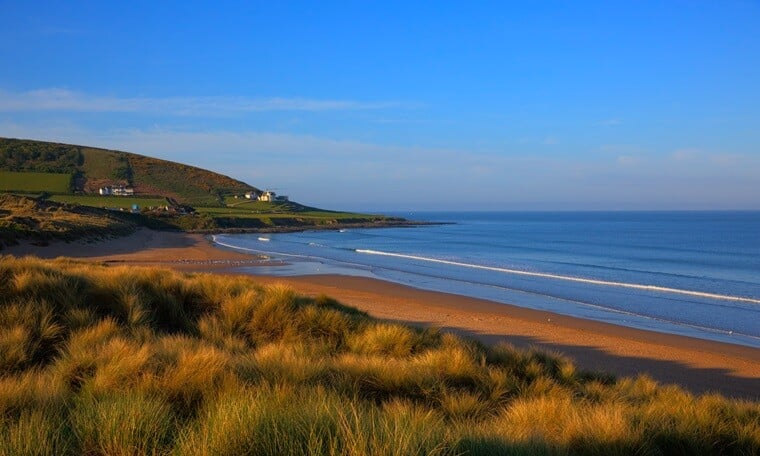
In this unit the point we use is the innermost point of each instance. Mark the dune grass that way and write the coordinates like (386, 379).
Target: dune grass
(43, 221)
(117, 360)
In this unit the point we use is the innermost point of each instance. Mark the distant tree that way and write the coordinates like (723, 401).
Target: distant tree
(123, 170)
(23, 155)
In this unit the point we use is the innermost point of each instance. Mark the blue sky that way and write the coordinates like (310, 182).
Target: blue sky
(407, 105)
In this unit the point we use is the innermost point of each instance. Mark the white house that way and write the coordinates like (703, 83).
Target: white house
(123, 191)
(267, 196)
(118, 191)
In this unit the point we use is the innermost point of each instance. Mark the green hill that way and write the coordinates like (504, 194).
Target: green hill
(168, 195)
(92, 168)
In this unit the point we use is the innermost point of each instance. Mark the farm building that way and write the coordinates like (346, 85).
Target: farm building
(120, 190)
(267, 196)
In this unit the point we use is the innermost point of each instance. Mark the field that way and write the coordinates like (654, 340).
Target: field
(35, 182)
(263, 215)
(126, 360)
(259, 208)
(109, 201)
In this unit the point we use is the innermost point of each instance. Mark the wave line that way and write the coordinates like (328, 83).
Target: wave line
(700, 294)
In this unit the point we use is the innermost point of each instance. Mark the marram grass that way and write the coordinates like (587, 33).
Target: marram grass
(122, 361)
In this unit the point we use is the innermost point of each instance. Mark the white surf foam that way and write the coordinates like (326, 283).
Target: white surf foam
(637, 286)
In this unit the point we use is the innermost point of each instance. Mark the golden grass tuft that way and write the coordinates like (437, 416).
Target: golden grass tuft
(103, 360)
(29, 390)
(463, 405)
(559, 423)
(383, 339)
(280, 363)
(194, 376)
(271, 320)
(37, 431)
(122, 424)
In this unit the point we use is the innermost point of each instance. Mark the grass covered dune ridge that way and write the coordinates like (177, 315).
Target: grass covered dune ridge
(116, 360)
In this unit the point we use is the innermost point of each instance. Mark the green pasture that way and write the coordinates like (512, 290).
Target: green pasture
(262, 206)
(257, 209)
(109, 201)
(35, 182)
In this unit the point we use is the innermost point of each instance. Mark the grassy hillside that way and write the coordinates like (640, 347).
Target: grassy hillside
(93, 168)
(34, 182)
(199, 200)
(186, 184)
(28, 218)
(100, 360)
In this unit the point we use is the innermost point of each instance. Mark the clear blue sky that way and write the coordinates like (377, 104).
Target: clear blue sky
(407, 105)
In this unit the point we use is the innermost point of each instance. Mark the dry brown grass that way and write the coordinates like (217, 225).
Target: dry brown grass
(104, 360)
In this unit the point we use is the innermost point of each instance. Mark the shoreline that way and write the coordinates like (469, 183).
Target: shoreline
(698, 365)
(328, 227)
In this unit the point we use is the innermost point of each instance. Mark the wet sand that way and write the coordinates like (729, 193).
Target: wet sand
(698, 365)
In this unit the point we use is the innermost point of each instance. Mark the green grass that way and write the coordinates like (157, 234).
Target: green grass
(244, 212)
(244, 207)
(109, 201)
(99, 164)
(96, 167)
(260, 214)
(118, 360)
(187, 184)
(263, 206)
(35, 182)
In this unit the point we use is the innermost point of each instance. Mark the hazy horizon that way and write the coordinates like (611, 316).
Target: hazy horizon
(399, 107)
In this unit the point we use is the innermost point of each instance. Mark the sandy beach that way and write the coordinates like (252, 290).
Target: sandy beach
(697, 365)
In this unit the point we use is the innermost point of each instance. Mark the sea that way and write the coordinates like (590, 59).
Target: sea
(689, 273)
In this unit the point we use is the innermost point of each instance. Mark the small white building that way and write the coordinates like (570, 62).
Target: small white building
(251, 195)
(120, 190)
(123, 191)
(267, 196)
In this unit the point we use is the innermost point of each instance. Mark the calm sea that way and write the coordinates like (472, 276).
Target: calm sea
(689, 273)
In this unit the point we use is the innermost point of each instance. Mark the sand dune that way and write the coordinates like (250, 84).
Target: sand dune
(698, 365)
